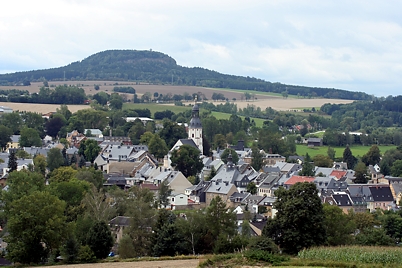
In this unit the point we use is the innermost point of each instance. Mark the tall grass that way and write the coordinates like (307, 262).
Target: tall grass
(356, 254)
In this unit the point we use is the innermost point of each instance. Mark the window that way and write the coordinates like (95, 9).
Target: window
(172, 199)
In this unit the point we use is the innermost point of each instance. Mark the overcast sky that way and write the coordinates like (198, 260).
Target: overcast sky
(352, 45)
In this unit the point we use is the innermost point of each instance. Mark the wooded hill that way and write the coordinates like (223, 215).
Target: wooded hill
(156, 67)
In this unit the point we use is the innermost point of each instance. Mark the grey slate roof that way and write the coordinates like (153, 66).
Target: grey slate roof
(219, 186)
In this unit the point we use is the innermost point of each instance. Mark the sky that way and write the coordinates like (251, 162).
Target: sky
(352, 45)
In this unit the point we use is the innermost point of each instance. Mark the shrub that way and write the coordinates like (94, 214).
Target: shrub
(86, 254)
(261, 255)
(263, 243)
(126, 248)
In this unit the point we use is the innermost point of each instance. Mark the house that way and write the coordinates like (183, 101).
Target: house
(178, 201)
(117, 226)
(210, 165)
(340, 199)
(252, 202)
(21, 165)
(266, 207)
(75, 138)
(265, 182)
(119, 181)
(374, 195)
(271, 159)
(340, 165)
(182, 142)
(144, 120)
(93, 133)
(117, 140)
(223, 189)
(382, 197)
(311, 142)
(175, 180)
(5, 110)
(295, 179)
(338, 174)
(288, 168)
(258, 226)
(124, 168)
(197, 193)
(296, 159)
(234, 175)
(238, 198)
(323, 171)
(325, 184)
(14, 143)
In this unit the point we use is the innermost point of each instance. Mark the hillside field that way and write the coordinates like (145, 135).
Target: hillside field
(263, 99)
(302, 149)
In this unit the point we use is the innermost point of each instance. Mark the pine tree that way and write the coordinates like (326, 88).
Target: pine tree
(349, 158)
(82, 162)
(12, 161)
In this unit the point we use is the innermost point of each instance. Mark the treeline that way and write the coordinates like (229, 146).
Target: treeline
(156, 67)
(124, 90)
(367, 115)
(59, 95)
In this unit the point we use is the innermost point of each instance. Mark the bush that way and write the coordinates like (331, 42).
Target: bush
(126, 248)
(261, 255)
(85, 254)
(263, 243)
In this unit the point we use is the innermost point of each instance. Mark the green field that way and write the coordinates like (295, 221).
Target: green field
(153, 107)
(256, 92)
(302, 149)
(218, 115)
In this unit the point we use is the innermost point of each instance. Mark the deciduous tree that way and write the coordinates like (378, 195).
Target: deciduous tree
(54, 159)
(5, 136)
(35, 220)
(187, 160)
(30, 137)
(226, 153)
(299, 222)
(100, 239)
(157, 147)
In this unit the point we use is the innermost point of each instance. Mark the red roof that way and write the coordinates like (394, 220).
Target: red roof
(338, 173)
(294, 179)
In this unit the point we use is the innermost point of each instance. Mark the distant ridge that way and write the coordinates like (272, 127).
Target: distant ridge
(156, 67)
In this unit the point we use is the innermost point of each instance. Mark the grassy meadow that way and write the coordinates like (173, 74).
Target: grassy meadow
(357, 150)
(219, 115)
(154, 107)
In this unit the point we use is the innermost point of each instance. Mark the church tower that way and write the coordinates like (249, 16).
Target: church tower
(195, 128)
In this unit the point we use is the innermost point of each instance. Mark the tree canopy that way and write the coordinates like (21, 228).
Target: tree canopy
(187, 160)
(299, 222)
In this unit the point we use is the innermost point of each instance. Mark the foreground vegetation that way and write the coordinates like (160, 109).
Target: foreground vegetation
(391, 256)
(346, 256)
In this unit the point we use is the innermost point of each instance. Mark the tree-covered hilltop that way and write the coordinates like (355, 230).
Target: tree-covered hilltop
(156, 67)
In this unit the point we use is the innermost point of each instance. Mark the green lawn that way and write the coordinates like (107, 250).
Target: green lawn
(302, 149)
(219, 115)
(155, 107)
